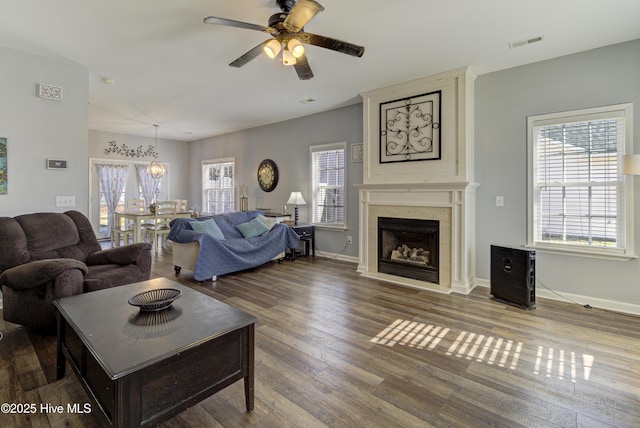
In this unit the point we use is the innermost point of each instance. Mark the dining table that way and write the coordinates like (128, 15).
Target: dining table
(141, 217)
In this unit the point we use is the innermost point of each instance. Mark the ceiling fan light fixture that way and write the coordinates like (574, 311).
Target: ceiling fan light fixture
(288, 58)
(272, 48)
(296, 48)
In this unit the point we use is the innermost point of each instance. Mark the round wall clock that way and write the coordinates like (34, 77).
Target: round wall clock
(267, 175)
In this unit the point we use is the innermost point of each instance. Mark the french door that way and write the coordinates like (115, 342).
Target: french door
(98, 212)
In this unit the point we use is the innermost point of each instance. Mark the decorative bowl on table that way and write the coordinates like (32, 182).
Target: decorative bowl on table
(155, 300)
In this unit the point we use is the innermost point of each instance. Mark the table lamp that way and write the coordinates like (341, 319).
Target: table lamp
(296, 199)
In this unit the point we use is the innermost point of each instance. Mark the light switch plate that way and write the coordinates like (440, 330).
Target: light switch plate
(65, 201)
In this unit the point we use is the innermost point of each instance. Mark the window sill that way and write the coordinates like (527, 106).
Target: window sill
(621, 256)
(330, 227)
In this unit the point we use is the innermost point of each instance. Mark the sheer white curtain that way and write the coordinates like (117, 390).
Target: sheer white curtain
(148, 185)
(112, 179)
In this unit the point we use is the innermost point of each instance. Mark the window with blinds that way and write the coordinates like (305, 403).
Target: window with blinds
(218, 186)
(578, 198)
(327, 181)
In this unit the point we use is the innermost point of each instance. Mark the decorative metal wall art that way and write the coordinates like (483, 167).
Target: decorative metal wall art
(132, 153)
(410, 128)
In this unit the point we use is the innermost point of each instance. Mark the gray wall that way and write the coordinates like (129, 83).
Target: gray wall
(504, 99)
(287, 143)
(37, 129)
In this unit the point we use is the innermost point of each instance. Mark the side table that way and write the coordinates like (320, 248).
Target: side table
(307, 233)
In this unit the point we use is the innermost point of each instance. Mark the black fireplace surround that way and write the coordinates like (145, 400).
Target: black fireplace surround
(409, 248)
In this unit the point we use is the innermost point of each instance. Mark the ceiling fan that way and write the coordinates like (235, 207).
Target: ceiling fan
(287, 30)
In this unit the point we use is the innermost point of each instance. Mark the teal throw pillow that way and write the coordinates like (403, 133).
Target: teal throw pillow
(209, 227)
(252, 228)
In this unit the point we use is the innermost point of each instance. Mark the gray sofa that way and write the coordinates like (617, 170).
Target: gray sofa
(46, 256)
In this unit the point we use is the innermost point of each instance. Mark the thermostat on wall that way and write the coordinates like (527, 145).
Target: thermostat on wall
(56, 164)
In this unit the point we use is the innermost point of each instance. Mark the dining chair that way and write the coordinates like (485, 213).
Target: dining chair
(134, 205)
(137, 205)
(165, 212)
(182, 205)
(120, 230)
(125, 227)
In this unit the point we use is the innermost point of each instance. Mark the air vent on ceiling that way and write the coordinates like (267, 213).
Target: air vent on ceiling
(523, 42)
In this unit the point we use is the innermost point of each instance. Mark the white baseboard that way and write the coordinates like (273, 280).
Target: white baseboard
(335, 256)
(594, 302)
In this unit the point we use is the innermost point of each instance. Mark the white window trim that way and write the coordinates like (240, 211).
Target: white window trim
(628, 252)
(321, 148)
(213, 161)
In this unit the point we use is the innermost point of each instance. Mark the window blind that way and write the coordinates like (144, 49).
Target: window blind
(218, 187)
(579, 194)
(328, 177)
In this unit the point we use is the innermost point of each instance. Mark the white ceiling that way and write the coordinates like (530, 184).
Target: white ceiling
(172, 69)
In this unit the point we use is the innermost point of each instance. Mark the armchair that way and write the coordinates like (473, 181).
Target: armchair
(46, 256)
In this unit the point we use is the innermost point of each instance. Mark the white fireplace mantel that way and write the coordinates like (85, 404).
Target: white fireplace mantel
(452, 204)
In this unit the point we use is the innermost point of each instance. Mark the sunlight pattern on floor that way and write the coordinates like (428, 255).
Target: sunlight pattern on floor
(412, 334)
(486, 348)
(565, 365)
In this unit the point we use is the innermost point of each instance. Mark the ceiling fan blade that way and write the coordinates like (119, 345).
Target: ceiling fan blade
(301, 13)
(251, 54)
(237, 24)
(302, 68)
(333, 44)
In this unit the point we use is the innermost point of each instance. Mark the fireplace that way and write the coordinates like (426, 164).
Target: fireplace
(441, 190)
(409, 248)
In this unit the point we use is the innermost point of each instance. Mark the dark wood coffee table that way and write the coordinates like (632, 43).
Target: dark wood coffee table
(144, 367)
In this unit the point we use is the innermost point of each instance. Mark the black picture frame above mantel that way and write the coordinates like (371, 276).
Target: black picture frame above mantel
(410, 128)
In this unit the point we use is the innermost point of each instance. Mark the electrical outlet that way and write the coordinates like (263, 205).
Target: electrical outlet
(65, 201)
(349, 239)
(499, 201)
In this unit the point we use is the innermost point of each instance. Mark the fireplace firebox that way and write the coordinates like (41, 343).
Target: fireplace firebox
(409, 248)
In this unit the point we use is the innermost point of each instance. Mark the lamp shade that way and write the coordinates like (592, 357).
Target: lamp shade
(630, 165)
(272, 48)
(296, 199)
(296, 48)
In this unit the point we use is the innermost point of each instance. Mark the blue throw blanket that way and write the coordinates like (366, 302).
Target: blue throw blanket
(218, 257)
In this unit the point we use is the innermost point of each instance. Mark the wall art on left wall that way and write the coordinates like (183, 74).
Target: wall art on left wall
(3, 166)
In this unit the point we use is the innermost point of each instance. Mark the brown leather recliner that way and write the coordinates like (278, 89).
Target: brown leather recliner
(46, 256)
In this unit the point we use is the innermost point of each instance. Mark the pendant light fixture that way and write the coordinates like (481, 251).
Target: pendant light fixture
(155, 168)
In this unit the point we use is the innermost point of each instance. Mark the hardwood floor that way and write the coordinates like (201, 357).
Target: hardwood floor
(336, 349)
